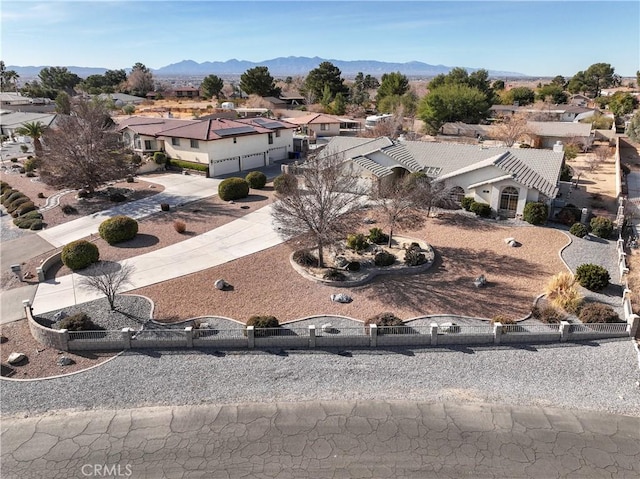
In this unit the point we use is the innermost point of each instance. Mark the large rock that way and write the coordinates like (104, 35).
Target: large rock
(341, 298)
(221, 285)
(65, 361)
(60, 315)
(15, 358)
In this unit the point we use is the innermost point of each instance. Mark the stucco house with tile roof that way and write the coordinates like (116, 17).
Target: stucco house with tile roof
(226, 146)
(505, 178)
(317, 124)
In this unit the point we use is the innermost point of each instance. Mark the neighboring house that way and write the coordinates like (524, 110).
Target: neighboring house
(579, 100)
(275, 103)
(186, 92)
(293, 101)
(558, 113)
(226, 146)
(12, 120)
(547, 134)
(121, 99)
(317, 124)
(17, 102)
(505, 178)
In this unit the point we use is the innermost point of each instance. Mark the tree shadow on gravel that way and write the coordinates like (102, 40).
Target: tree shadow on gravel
(141, 240)
(466, 222)
(448, 287)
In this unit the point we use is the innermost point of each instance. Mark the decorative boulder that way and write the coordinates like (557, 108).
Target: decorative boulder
(221, 285)
(511, 242)
(16, 358)
(449, 328)
(327, 328)
(368, 221)
(341, 298)
(65, 361)
(341, 261)
(59, 316)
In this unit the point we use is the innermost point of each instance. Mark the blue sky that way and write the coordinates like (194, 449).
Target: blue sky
(541, 38)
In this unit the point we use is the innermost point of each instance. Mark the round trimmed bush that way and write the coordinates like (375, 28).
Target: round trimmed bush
(598, 313)
(78, 322)
(31, 163)
(482, 210)
(159, 158)
(24, 208)
(384, 258)
(285, 183)
(579, 230)
(466, 203)
(117, 229)
(377, 236)
(8, 199)
(256, 179)
(548, 314)
(357, 242)
(79, 254)
(233, 189)
(601, 227)
(535, 213)
(592, 276)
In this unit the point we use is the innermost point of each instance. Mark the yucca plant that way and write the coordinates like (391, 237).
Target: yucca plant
(563, 293)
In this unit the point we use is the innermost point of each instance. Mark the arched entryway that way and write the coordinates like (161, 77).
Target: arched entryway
(509, 201)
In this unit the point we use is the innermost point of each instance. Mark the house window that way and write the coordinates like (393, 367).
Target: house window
(147, 144)
(175, 141)
(324, 126)
(194, 144)
(456, 193)
(509, 199)
(271, 138)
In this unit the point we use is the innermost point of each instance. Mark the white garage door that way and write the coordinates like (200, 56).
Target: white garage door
(224, 167)
(256, 160)
(278, 153)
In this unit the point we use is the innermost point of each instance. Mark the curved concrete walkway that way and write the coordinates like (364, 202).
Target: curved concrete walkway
(380, 439)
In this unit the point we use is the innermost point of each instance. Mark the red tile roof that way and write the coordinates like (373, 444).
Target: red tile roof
(214, 129)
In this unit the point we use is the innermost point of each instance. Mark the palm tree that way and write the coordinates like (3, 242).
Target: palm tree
(33, 130)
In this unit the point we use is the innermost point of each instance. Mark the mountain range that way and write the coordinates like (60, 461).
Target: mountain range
(281, 66)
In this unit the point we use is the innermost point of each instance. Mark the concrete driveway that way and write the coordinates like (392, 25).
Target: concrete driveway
(179, 189)
(244, 236)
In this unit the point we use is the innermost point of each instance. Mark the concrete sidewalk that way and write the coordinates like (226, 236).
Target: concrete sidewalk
(179, 189)
(247, 235)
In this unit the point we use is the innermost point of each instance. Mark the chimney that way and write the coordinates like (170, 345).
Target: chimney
(558, 147)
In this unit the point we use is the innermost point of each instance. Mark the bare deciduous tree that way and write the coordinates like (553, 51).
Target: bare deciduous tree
(406, 202)
(511, 129)
(107, 278)
(319, 208)
(84, 150)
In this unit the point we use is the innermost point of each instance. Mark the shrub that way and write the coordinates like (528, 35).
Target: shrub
(5, 195)
(24, 208)
(592, 276)
(548, 314)
(384, 258)
(117, 229)
(535, 213)
(502, 320)
(334, 275)
(385, 320)
(480, 209)
(285, 183)
(466, 203)
(12, 197)
(179, 226)
(601, 227)
(11, 207)
(117, 197)
(23, 149)
(579, 230)
(566, 173)
(568, 215)
(29, 223)
(31, 164)
(32, 215)
(260, 323)
(353, 266)
(598, 313)
(305, 258)
(78, 322)
(79, 254)
(233, 189)
(188, 165)
(377, 236)
(562, 293)
(256, 179)
(83, 193)
(357, 242)
(69, 210)
(160, 158)
(414, 256)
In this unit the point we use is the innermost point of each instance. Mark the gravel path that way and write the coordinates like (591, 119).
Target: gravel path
(599, 376)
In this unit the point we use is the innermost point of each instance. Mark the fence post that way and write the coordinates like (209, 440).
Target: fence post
(373, 335)
(41, 275)
(564, 330)
(188, 332)
(64, 339)
(434, 334)
(497, 333)
(634, 321)
(251, 338)
(126, 338)
(312, 336)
